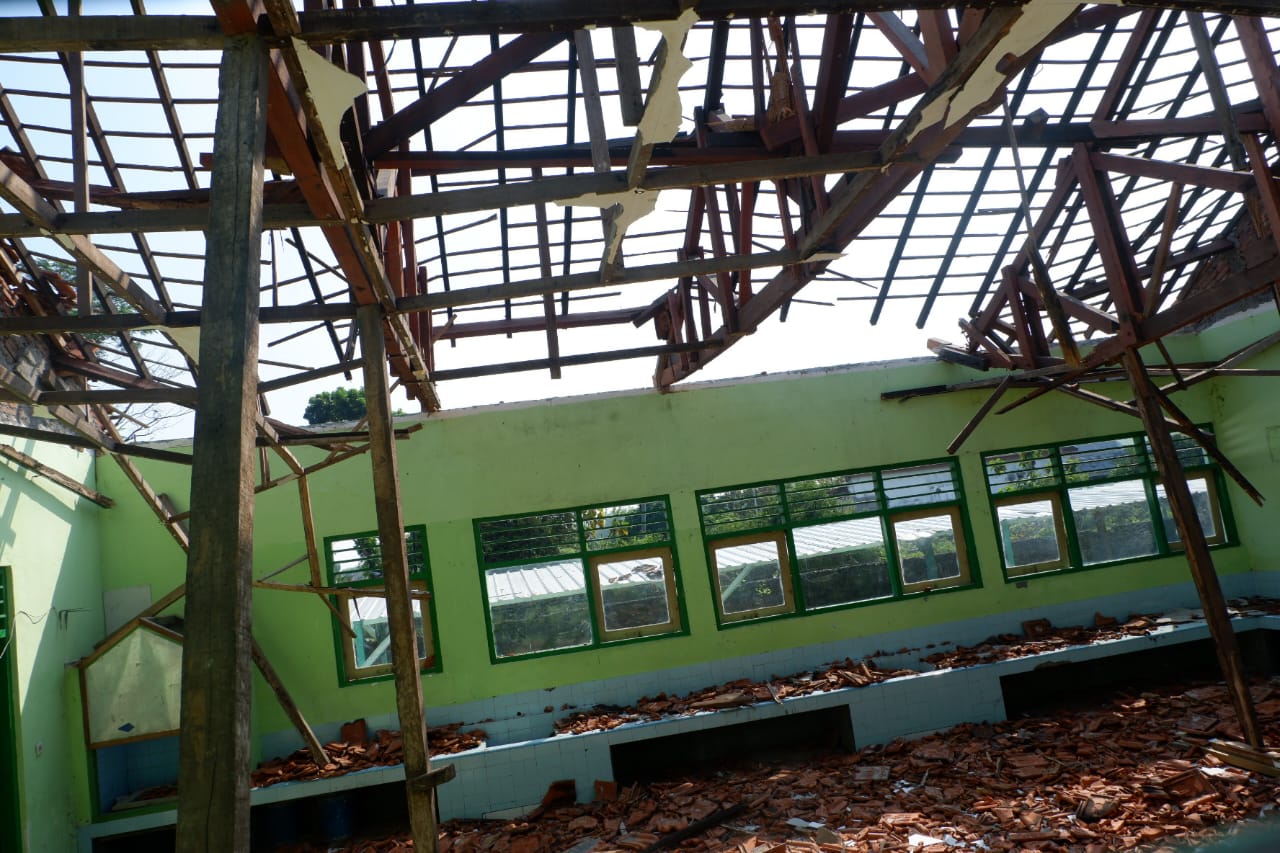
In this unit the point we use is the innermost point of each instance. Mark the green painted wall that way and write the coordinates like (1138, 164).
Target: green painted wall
(1247, 414)
(526, 458)
(49, 537)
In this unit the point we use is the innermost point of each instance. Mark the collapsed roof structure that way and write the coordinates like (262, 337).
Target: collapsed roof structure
(1071, 183)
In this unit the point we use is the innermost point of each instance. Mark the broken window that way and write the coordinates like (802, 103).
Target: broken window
(569, 579)
(362, 630)
(834, 540)
(1095, 502)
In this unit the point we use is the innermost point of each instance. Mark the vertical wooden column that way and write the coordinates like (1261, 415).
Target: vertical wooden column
(1198, 556)
(213, 767)
(395, 575)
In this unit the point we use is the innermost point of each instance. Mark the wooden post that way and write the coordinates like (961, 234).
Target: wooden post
(1197, 550)
(213, 760)
(395, 575)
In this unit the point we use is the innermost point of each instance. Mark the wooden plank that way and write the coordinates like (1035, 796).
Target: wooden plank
(447, 97)
(907, 44)
(35, 465)
(216, 718)
(1199, 559)
(584, 281)
(627, 62)
(269, 675)
(395, 574)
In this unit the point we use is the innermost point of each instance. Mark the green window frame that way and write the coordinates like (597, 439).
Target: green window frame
(845, 539)
(360, 630)
(1095, 502)
(571, 579)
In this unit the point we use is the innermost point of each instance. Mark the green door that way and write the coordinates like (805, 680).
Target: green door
(10, 838)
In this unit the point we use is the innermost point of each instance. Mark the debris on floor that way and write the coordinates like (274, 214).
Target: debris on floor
(1121, 776)
(357, 751)
(1039, 636)
(733, 694)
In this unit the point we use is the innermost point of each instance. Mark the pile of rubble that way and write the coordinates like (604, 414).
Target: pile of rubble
(732, 694)
(355, 750)
(1126, 776)
(1039, 636)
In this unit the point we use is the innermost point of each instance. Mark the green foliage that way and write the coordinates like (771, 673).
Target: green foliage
(340, 404)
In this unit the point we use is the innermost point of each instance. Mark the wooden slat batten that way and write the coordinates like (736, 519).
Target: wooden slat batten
(213, 764)
(395, 575)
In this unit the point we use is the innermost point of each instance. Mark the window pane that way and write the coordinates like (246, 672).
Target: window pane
(528, 537)
(371, 646)
(538, 607)
(750, 577)
(1206, 511)
(741, 509)
(356, 559)
(359, 558)
(831, 497)
(1020, 470)
(1103, 460)
(1029, 533)
(842, 562)
(1189, 450)
(927, 548)
(1113, 522)
(626, 526)
(923, 484)
(634, 593)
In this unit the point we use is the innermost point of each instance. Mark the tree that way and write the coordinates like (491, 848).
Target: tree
(341, 404)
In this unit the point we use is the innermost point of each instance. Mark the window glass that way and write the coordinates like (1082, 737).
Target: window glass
(737, 510)
(538, 607)
(752, 577)
(576, 578)
(1087, 503)
(1108, 459)
(624, 526)
(1113, 521)
(1206, 510)
(1020, 470)
(1031, 534)
(634, 595)
(919, 485)
(371, 645)
(831, 497)
(355, 562)
(528, 537)
(842, 562)
(927, 549)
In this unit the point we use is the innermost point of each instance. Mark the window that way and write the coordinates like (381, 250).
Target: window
(836, 540)
(1093, 502)
(571, 579)
(362, 632)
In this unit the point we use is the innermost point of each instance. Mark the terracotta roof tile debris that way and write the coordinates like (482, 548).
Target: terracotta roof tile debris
(1120, 776)
(360, 752)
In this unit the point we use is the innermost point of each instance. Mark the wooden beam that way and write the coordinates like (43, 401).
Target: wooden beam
(395, 575)
(447, 97)
(583, 281)
(36, 466)
(630, 95)
(216, 717)
(466, 18)
(269, 675)
(1199, 559)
